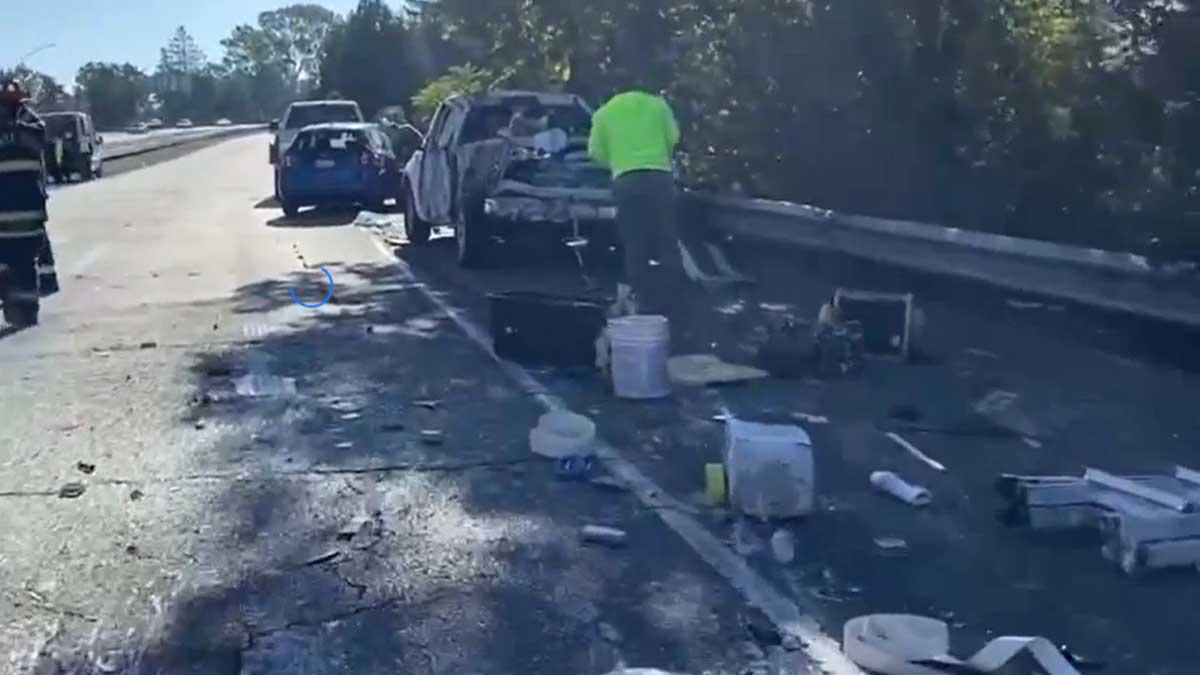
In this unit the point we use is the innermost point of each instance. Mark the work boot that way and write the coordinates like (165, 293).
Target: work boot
(21, 314)
(47, 280)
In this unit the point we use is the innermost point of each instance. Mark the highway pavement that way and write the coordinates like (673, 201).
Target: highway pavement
(388, 516)
(156, 520)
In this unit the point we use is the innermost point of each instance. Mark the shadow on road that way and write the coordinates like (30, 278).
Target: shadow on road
(318, 217)
(268, 203)
(338, 537)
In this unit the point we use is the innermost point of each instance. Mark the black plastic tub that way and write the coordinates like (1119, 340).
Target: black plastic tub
(536, 329)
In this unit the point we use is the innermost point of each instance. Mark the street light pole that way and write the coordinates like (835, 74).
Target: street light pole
(48, 45)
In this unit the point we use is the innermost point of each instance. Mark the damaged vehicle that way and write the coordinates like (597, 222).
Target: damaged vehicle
(508, 164)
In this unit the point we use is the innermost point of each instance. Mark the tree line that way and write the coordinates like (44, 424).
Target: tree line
(1070, 120)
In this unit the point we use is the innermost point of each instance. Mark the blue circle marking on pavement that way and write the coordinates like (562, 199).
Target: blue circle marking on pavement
(328, 296)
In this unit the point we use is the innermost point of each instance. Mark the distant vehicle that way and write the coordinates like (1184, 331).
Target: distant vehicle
(154, 124)
(224, 122)
(302, 114)
(137, 128)
(338, 163)
(184, 123)
(481, 173)
(73, 146)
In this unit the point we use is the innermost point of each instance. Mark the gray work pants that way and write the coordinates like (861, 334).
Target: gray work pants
(647, 222)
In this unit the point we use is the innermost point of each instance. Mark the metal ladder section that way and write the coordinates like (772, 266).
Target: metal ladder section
(1145, 522)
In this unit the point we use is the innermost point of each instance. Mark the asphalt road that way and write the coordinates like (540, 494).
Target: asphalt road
(210, 535)
(308, 533)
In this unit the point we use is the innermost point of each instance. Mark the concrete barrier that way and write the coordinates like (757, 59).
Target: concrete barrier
(142, 144)
(1111, 280)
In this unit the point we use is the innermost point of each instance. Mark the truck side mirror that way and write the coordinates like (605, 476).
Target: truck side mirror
(274, 125)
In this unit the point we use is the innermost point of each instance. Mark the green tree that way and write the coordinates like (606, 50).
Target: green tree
(365, 58)
(289, 41)
(113, 92)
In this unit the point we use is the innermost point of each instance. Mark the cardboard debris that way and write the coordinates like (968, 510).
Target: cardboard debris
(700, 370)
(905, 644)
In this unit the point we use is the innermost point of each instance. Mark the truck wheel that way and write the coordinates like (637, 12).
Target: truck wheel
(417, 230)
(474, 237)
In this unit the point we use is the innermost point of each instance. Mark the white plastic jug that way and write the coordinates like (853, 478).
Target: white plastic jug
(640, 348)
(562, 434)
(769, 468)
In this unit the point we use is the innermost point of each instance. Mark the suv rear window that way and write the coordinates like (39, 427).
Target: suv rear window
(326, 140)
(58, 126)
(302, 116)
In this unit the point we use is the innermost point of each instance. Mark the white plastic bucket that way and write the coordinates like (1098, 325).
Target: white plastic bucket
(640, 348)
(562, 434)
(770, 469)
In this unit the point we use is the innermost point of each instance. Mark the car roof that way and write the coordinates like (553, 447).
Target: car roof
(339, 126)
(543, 97)
(336, 101)
(64, 114)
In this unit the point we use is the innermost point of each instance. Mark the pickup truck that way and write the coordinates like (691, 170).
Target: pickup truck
(503, 164)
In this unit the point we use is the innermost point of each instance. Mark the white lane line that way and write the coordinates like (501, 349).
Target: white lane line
(756, 590)
(82, 263)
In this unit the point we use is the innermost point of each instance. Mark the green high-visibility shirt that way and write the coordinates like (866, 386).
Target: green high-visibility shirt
(634, 131)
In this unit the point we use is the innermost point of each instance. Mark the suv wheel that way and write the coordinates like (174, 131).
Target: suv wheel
(417, 230)
(85, 168)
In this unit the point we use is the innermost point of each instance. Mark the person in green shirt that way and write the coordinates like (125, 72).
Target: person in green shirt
(634, 134)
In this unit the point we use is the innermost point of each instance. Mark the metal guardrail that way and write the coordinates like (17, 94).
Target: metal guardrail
(1123, 282)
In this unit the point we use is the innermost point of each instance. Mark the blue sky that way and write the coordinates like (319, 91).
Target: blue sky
(122, 30)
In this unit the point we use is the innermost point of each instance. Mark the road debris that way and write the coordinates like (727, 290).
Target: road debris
(599, 534)
(912, 450)
(608, 483)
(136, 494)
(913, 495)
(715, 486)
(328, 556)
(265, 386)
(351, 416)
(788, 352)
(392, 427)
(359, 527)
(783, 547)
(901, 644)
(703, 370)
(891, 544)
(432, 437)
(810, 419)
(1031, 442)
(574, 467)
(1145, 522)
(769, 468)
(428, 404)
(981, 353)
(887, 320)
(745, 542)
(561, 434)
(71, 490)
(199, 424)
(149, 344)
(344, 445)
(85, 468)
(608, 632)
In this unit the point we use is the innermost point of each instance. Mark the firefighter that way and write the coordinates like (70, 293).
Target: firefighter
(22, 203)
